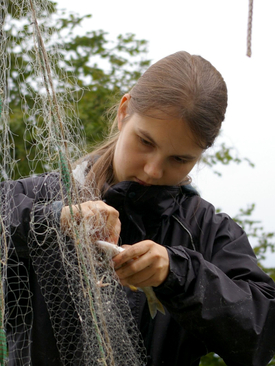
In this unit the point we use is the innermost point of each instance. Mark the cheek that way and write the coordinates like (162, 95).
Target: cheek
(188, 169)
(124, 150)
(128, 148)
(183, 172)
(124, 154)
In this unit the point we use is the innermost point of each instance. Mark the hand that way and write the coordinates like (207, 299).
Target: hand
(101, 220)
(142, 264)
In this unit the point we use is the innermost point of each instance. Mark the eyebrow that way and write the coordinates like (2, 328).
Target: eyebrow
(148, 137)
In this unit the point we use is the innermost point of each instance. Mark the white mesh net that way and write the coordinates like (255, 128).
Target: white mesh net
(89, 313)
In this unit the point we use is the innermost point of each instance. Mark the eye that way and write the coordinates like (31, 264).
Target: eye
(144, 142)
(179, 160)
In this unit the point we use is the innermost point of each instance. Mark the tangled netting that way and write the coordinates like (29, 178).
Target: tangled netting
(88, 309)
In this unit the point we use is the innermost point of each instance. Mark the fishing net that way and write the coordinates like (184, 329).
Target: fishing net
(88, 309)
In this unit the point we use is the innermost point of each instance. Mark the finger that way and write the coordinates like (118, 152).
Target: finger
(136, 281)
(133, 266)
(131, 253)
(100, 216)
(137, 278)
(125, 246)
(112, 217)
(114, 233)
(108, 214)
(68, 216)
(113, 225)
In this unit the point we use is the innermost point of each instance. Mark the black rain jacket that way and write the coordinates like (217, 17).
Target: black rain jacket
(216, 297)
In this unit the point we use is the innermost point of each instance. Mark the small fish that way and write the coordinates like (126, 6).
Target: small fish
(153, 303)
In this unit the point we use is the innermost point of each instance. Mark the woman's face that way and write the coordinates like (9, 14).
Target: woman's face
(153, 151)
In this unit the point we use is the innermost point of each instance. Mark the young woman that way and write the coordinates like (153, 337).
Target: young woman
(199, 263)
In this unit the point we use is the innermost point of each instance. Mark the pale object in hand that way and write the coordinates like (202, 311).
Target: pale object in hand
(153, 302)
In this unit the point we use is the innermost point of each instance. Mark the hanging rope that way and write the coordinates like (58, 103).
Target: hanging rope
(3, 343)
(249, 28)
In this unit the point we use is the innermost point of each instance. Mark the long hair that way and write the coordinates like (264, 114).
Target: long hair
(183, 86)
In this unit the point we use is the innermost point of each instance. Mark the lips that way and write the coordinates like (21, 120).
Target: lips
(142, 182)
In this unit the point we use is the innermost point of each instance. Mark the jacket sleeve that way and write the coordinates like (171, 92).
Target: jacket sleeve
(31, 206)
(219, 293)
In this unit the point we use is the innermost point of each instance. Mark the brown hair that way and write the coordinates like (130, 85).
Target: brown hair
(181, 85)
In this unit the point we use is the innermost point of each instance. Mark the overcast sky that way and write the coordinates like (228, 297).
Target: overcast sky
(216, 30)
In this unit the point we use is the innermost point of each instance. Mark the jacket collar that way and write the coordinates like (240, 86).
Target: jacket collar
(156, 199)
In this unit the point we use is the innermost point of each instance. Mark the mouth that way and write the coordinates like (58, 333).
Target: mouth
(142, 183)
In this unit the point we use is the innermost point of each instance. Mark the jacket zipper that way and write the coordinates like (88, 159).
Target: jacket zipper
(188, 232)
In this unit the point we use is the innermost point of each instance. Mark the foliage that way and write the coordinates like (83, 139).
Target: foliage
(99, 71)
(262, 241)
(224, 155)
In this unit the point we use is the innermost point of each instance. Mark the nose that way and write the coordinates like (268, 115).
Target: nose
(154, 168)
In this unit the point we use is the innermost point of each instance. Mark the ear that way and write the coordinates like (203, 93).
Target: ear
(122, 110)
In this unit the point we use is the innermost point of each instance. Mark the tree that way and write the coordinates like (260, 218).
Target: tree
(95, 88)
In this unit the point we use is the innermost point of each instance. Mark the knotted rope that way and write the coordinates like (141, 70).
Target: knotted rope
(249, 28)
